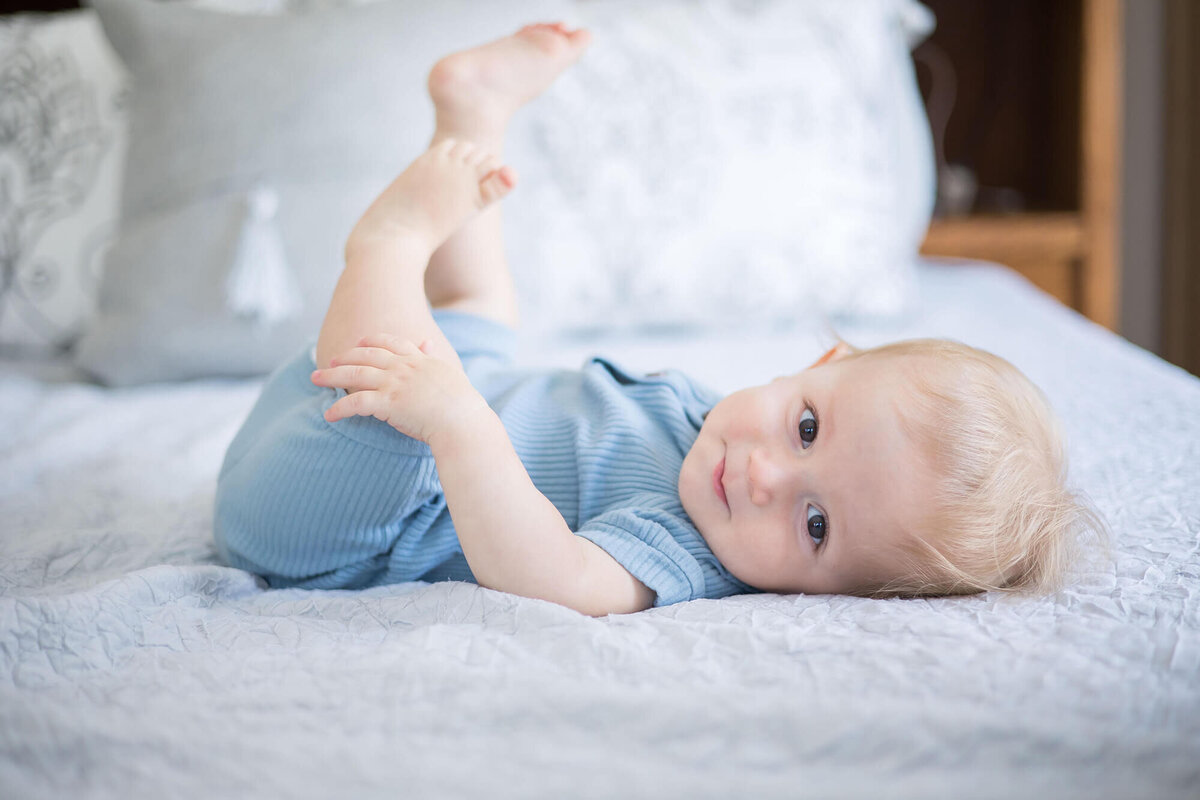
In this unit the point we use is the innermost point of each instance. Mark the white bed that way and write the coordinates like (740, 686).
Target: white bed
(133, 664)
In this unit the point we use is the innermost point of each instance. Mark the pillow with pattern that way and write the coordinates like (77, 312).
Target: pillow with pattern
(63, 98)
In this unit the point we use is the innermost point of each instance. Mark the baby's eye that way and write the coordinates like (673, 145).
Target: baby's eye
(808, 428)
(816, 525)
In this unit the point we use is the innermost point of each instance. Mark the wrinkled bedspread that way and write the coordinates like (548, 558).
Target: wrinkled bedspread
(132, 663)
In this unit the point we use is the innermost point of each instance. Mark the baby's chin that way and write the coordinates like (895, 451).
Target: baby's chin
(691, 487)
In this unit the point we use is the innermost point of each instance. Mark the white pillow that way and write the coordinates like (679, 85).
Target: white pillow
(63, 100)
(640, 203)
(253, 135)
(724, 162)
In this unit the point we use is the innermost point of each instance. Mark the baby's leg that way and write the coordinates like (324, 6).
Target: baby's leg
(380, 289)
(406, 252)
(475, 94)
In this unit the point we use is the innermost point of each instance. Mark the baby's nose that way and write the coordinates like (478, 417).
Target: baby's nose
(768, 475)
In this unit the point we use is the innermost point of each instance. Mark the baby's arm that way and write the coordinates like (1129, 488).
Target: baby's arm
(513, 537)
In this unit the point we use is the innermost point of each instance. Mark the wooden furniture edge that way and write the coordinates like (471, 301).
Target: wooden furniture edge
(1076, 254)
(1100, 176)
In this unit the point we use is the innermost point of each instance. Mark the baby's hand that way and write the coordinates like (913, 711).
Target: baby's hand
(397, 382)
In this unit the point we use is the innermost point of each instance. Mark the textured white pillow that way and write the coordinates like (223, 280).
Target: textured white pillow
(725, 162)
(63, 104)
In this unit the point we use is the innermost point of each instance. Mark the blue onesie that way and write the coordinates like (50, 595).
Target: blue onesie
(354, 503)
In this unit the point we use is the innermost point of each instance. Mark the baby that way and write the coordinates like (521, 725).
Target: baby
(416, 451)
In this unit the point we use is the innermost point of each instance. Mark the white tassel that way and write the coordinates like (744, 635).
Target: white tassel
(260, 286)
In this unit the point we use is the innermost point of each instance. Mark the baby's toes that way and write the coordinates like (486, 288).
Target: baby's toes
(497, 183)
(545, 38)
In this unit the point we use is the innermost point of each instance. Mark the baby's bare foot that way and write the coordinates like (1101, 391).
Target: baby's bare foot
(476, 91)
(444, 187)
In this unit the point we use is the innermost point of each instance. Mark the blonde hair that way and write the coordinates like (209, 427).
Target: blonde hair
(1002, 517)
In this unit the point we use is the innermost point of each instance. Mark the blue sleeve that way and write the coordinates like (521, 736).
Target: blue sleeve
(646, 547)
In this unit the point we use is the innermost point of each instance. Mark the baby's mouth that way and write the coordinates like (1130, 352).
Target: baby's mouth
(718, 485)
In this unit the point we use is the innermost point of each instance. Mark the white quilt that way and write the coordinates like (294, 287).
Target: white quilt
(132, 664)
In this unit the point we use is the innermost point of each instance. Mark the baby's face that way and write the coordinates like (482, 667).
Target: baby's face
(808, 484)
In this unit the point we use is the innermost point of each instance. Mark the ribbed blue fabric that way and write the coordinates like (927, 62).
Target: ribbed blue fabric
(304, 502)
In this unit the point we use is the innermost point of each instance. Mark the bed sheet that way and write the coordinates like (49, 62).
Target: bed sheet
(133, 663)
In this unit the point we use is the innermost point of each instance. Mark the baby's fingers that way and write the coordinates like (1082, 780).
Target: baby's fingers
(353, 377)
(359, 404)
(396, 344)
(367, 356)
(349, 405)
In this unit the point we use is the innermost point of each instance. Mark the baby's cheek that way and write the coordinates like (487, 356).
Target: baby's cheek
(687, 488)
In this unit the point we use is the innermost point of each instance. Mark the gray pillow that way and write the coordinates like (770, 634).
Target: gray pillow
(281, 128)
